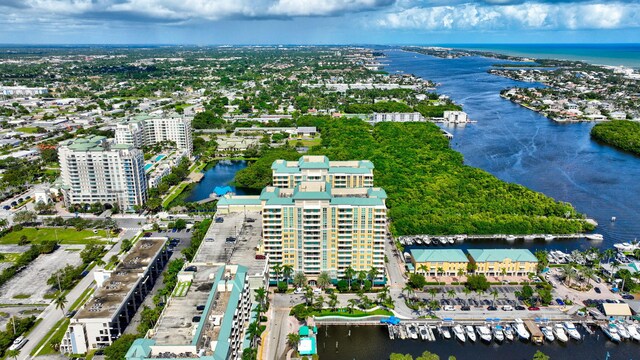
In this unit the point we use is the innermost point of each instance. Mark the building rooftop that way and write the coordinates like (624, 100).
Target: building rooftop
(322, 162)
(323, 191)
(109, 297)
(498, 255)
(438, 255)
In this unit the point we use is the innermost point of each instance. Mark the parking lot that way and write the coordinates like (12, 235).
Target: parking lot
(505, 296)
(32, 281)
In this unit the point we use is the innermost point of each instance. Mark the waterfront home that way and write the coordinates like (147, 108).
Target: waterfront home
(429, 261)
(491, 262)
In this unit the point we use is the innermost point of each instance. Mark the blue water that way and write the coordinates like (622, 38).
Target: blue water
(160, 157)
(219, 175)
(147, 166)
(604, 54)
(518, 145)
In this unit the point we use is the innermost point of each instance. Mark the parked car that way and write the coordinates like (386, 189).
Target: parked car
(466, 308)
(492, 308)
(219, 220)
(147, 234)
(18, 343)
(71, 313)
(597, 290)
(448, 308)
(507, 308)
(628, 297)
(559, 301)
(6, 207)
(534, 308)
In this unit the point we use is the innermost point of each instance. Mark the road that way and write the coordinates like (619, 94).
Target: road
(50, 316)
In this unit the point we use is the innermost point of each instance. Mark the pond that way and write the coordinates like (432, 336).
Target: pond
(220, 174)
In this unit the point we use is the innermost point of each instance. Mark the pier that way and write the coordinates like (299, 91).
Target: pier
(452, 239)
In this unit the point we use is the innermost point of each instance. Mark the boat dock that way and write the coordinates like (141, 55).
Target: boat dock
(452, 239)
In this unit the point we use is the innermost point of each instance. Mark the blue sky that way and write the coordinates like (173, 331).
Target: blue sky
(204, 22)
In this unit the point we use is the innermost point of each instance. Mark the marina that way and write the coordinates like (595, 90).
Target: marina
(426, 240)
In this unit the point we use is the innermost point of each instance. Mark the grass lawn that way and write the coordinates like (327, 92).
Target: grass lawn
(177, 190)
(55, 334)
(182, 288)
(308, 143)
(27, 129)
(21, 296)
(65, 236)
(354, 313)
(82, 299)
(8, 257)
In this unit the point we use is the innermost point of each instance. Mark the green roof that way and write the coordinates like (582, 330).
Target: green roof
(140, 349)
(293, 167)
(304, 331)
(438, 255)
(498, 255)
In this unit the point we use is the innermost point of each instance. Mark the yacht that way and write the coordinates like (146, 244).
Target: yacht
(633, 332)
(498, 334)
(445, 332)
(625, 246)
(594, 237)
(460, 237)
(612, 332)
(547, 331)
(572, 331)
(521, 330)
(508, 332)
(443, 240)
(403, 332)
(391, 333)
(459, 332)
(427, 241)
(451, 240)
(558, 331)
(484, 332)
(423, 332)
(511, 238)
(549, 237)
(470, 333)
(418, 241)
(622, 331)
(529, 237)
(413, 332)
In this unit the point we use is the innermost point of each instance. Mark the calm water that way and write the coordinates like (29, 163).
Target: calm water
(518, 145)
(221, 174)
(373, 343)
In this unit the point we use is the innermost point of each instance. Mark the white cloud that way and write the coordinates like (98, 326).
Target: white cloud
(538, 16)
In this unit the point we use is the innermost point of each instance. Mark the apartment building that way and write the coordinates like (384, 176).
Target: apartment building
(491, 262)
(205, 322)
(119, 294)
(147, 130)
(93, 169)
(340, 174)
(396, 117)
(435, 262)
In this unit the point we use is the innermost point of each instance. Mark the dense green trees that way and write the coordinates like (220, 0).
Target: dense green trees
(622, 134)
(258, 175)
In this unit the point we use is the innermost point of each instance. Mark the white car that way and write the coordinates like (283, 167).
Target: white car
(18, 343)
(317, 291)
(448, 308)
(507, 308)
(298, 291)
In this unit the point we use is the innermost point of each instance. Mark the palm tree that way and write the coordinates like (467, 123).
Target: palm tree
(13, 353)
(333, 301)
(287, 271)
(373, 274)
(569, 273)
(451, 293)
(362, 276)
(308, 295)
(254, 331)
(60, 302)
(466, 292)
(299, 279)
(349, 273)
(440, 271)
(409, 290)
(352, 304)
(479, 292)
(433, 292)
(503, 271)
(424, 269)
(609, 253)
(261, 297)
(460, 273)
(494, 293)
(382, 295)
(319, 302)
(324, 280)
(277, 269)
(292, 340)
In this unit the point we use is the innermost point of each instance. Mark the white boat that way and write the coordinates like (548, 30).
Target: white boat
(459, 332)
(622, 331)
(549, 237)
(625, 246)
(443, 240)
(470, 333)
(521, 330)
(391, 334)
(445, 332)
(418, 241)
(559, 332)
(612, 332)
(498, 334)
(594, 237)
(633, 332)
(403, 332)
(413, 332)
(572, 331)
(511, 238)
(484, 332)
(508, 332)
(547, 331)
(451, 240)
(423, 332)
(460, 237)
(427, 241)
(529, 237)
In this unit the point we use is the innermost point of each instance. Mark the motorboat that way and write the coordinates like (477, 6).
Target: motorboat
(633, 332)
(508, 332)
(594, 237)
(451, 240)
(460, 237)
(612, 332)
(427, 241)
(459, 332)
(391, 333)
(572, 331)
(622, 331)
(413, 332)
(418, 241)
(445, 332)
(549, 237)
(529, 237)
(498, 334)
(470, 333)
(625, 246)
(547, 331)
(521, 330)
(403, 332)
(484, 332)
(511, 238)
(559, 332)
(443, 240)
(423, 332)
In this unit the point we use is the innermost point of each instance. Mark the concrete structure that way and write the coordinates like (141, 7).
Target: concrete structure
(618, 311)
(396, 117)
(22, 91)
(120, 293)
(207, 322)
(320, 216)
(340, 174)
(515, 262)
(147, 130)
(41, 194)
(456, 117)
(428, 262)
(95, 170)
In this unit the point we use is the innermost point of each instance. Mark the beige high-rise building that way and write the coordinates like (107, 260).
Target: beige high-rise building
(148, 130)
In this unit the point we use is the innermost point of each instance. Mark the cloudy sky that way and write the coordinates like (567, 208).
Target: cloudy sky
(204, 22)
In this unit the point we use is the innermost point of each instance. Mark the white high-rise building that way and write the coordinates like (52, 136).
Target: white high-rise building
(148, 130)
(95, 170)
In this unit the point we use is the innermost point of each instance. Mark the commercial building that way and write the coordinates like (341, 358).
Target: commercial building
(93, 169)
(515, 262)
(320, 216)
(120, 292)
(205, 321)
(434, 262)
(340, 174)
(456, 117)
(148, 130)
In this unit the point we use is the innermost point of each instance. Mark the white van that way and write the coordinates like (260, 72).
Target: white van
(448, 308)
(507, 308)
(18, 343)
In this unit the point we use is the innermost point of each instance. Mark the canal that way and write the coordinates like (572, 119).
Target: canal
(219, 174)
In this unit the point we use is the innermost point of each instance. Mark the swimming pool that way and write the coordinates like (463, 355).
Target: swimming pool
(160, 157)
(147, 166)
